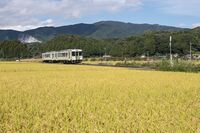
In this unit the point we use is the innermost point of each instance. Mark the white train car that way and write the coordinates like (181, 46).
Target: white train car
(65, 56)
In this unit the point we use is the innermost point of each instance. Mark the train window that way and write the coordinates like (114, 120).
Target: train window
(63, 55)
(80, 53)
(59, 55)
(47, 55)
(73, 53)
(76, 53)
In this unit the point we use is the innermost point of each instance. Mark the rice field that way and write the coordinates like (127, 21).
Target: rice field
(37, 97)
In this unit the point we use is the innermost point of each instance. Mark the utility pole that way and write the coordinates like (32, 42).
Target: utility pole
(170, 46)
(148, 56)
(190, 51)
(105, 56)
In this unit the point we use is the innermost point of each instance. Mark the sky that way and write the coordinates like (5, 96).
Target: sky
(29, 14)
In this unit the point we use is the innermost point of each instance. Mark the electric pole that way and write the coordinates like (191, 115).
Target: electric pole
(148, 56)
(170, 46)
(105, 56)
(190, 51)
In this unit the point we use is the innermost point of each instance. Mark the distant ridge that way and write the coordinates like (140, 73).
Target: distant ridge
(99, 30)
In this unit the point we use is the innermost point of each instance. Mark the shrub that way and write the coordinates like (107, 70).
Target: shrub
(178, 66)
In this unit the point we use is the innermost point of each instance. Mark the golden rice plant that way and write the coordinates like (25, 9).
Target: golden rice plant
(36, 97)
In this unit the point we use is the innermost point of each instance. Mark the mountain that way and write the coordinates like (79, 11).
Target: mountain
(99, 30)
(113, 29)
(9, 34)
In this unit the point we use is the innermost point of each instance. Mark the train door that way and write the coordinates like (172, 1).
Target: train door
(56, 56)
(77, 55)
(53, 56)
(73, 55)
(69, 56)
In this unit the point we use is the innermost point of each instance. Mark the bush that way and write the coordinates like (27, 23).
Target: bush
(178, 66)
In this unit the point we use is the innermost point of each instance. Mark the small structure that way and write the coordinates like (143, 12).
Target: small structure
(143, 56)
(107, 57)
(196, 56)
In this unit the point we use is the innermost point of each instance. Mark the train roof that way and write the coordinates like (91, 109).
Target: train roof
(63, 50)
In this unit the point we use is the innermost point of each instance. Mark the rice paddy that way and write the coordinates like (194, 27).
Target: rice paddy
(36, 97)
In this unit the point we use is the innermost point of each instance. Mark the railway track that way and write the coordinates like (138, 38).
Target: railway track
(129, 67)
(98, 65)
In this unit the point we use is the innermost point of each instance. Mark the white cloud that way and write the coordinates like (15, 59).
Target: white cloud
(27, 14)
(183, 25)
(179, 7)
(196, 25)
(22, 26)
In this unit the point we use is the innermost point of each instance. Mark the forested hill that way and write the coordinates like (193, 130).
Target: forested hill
(111, 29)
(151, 42)
(99, 30)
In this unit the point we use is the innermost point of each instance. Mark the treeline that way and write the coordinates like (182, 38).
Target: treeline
(91, 47)
(153, 43)
(13, 49)
(157, 43)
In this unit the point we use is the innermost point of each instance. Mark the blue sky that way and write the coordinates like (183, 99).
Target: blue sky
(28, 14)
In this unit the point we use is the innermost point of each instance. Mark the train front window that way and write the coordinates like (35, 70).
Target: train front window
(76, 53)
(73, 53)
(80, 53)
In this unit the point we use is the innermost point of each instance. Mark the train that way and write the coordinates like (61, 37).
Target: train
(63, 56)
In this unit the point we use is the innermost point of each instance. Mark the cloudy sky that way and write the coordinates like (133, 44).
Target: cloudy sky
(29, 14)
